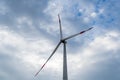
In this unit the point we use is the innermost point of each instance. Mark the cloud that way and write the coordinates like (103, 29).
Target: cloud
(97, 60)
(20, 51)
(29, 31)
(3, 8)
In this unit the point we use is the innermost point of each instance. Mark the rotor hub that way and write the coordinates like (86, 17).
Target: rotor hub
(63, 41)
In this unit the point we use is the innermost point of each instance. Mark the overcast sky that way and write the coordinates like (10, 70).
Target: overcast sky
(29, 32)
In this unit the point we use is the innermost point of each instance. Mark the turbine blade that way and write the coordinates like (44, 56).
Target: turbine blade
(48, 58)
(77, 34)
(60, 27)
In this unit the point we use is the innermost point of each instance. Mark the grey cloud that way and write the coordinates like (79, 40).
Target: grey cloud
(31, 9)
(103, 70)
(14, 68)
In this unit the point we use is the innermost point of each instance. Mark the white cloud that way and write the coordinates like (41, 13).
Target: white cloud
(101, 11)
(93, 14)
(21, 48)
(50, 28)
(24, 22)
(100, 49)
(24, 19)
(54, 8)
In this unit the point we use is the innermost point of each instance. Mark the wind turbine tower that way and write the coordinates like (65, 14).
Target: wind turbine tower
(64, 42)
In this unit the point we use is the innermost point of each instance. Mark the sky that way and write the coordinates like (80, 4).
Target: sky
(29, 32)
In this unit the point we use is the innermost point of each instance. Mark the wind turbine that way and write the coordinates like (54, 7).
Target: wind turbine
(64, 41)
